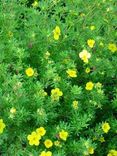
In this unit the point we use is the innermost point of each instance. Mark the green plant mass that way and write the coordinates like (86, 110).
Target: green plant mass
(58, 78)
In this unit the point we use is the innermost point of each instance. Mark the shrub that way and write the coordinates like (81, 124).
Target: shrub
(58, 84)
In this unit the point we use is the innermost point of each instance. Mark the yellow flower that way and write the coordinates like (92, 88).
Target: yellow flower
(87, 70)
(71, 73)
(63, 135)
(112, 153)
(13, 110)
(43, 153)
(101, 139)
(98, 85)
(90, 43)
(41, 93)
(57, 32)
(47, 54)
(29, 72)
(92, 27)
(2, 126)
(91, 150)
(41, 131)
(112, 47)
(82, 14)
(85, 55)
(10, 34)
(57, 78)
(34, 139)
(56, 93)
(57, 143)
(75, 104)
(48, 153)
(89, 86)
(48, 143)
(35, 4)
(105, 127)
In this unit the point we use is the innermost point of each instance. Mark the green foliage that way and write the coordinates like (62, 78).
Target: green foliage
(27, 102)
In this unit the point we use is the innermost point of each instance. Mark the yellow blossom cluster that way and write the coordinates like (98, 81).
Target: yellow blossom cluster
(35, 136)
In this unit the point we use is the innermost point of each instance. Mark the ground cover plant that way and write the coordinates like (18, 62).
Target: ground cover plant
(58, 78)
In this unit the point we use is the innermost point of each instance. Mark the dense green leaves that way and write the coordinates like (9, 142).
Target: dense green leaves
(50, 96)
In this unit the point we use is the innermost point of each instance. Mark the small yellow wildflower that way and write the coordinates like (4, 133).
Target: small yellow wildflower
(41, 112)
(35, 4)
(41, 131)
(57, 143)
(34, 139)
(82, 14)
(13, 110)
(75, 104)
(57, 32)
(105, 127)
(98, 85)
(112, 47)
(101, 139)
(87, 70)
(48, 143)
(85, 55)
(48, 153)
(92, 27)
(57, 78)
(112, 153)
(41, 93)
(43, 153)
(63, 135)
(71, 73)
(90, 43)
(89, 86)
(56, 93)
(2, 126)
(29, 72)
(91, 150)
(47, 54)
(10, 34)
